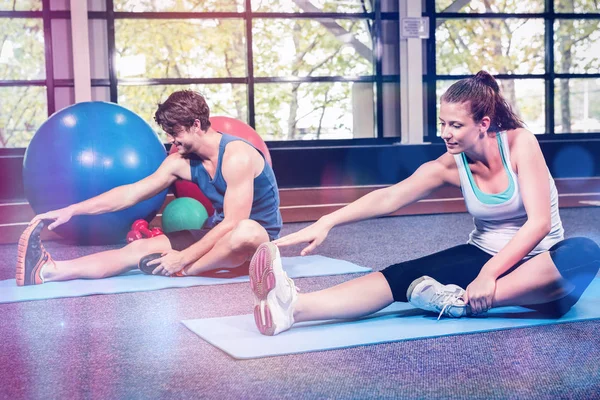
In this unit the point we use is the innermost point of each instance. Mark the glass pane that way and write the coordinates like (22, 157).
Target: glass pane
(180, 5)
(60, 5)
(62, 48)
(22, 111)
(389, 6)
(322, 47)
(576, 6)
(577, 46)
(576, 105)
(306, 111)
(98, 41)
(158, 48)
(390, 50)
(526, 97)
(483, 6)
(100, 93)
(499, 46)
(391, 110)
(63, 97)
(20, 5)
(22, 49)
(226, 99)
(296, 6)
(96, 5)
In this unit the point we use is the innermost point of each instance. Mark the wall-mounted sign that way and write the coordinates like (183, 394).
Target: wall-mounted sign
(414, 28)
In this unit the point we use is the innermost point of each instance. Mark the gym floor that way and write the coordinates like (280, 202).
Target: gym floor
(133, 345)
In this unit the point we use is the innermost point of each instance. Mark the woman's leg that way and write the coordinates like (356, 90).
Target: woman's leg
(352, 299)
(551, 282)
(371, 293)
(277, 305)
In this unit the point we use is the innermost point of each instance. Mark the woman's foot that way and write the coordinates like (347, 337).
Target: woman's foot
(428, 294)
(274, 292)
(31, 256)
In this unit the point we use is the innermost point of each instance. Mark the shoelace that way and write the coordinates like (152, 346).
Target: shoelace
(442, 312)
(447, 299)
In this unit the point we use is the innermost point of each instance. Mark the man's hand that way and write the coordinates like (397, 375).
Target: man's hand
(313, 234)
(170, 263)
(58, 217)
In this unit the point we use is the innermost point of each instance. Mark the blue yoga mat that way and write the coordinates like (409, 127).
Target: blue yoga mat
(136, 281)
(239, 337)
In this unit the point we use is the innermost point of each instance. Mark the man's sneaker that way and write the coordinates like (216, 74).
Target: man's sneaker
(274, 293)
(143, 263)
(428, 294)
(31, 256)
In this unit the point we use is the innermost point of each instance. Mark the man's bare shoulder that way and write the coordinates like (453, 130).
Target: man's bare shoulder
(176, 164)
(240, 158)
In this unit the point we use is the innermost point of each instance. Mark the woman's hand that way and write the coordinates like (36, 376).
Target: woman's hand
(313, 235)
(480, 294)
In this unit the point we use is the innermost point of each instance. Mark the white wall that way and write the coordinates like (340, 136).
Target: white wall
(411, 79)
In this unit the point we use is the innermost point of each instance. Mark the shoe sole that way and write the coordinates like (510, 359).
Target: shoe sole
(22, 252)
(413, 285)
(143, 263)
(262, 281)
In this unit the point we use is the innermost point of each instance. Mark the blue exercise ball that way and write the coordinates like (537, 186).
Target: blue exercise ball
(87, 149)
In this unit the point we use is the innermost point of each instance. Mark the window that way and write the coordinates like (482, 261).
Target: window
(544, 54)
(25, 98)
(294, 69)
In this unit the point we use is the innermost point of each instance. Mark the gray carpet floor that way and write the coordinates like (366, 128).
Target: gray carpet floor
(133, 346)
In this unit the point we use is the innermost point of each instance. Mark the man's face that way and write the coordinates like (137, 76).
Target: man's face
(181, 137)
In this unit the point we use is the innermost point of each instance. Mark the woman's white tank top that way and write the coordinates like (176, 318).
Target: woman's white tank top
(498, 217)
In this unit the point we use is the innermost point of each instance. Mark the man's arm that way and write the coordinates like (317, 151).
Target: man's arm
(123, 196)
(238, 171)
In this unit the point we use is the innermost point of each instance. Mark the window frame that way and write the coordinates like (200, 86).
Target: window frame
(50, 83)
(378, 79)
(549, 16)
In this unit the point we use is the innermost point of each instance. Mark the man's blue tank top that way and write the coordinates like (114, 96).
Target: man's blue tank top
(265, 205)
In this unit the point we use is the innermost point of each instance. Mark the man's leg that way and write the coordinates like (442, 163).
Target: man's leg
(35, 266)
(232, 250)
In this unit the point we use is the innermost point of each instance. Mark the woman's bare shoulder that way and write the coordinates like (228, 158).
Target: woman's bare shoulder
(447, 166)
(520, 137)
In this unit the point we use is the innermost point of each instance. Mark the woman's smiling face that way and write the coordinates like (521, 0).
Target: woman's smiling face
(458, 129)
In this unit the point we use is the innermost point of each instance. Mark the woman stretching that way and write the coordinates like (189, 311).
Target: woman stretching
(515, 256)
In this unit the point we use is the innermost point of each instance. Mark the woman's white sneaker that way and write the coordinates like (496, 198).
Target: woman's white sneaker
(428, 294)
(274, 292)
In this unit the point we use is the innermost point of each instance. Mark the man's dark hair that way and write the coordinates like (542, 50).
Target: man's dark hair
(182, 108)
